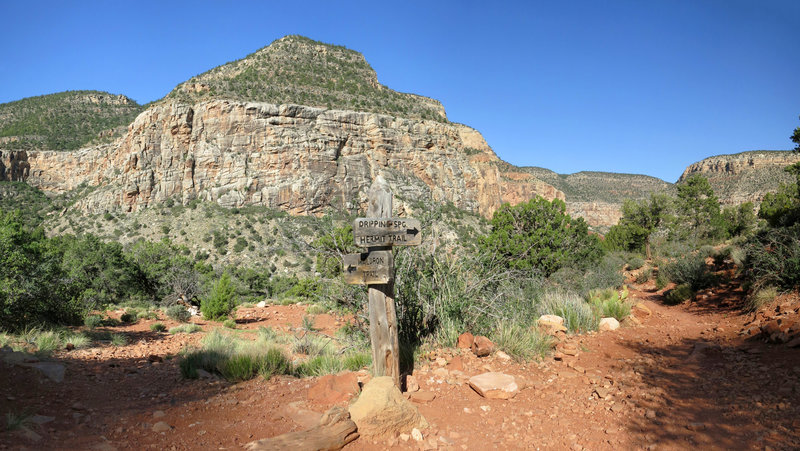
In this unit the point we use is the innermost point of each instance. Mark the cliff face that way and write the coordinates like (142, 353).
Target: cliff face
(746, 176)
(294, 158)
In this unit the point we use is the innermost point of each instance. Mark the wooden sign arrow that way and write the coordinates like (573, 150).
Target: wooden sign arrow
(377, 232)
(368, 268)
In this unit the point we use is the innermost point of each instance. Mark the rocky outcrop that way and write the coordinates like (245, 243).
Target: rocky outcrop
(596, 214)
(290, 157)
(744, 177)
(14, 166)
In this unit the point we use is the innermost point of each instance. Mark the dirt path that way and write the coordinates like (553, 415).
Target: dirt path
(685, 378)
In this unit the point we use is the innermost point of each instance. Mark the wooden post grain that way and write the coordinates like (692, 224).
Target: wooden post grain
(382, 315)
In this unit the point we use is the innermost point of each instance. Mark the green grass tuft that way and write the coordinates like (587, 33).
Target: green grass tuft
(760, 298)
(47, 342)
(234, 359)
(332, 364)
(119, 340)
(521, 342)
(578, 314)
(185, 329)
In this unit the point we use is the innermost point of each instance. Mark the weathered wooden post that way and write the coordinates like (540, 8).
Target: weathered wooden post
(375, 268)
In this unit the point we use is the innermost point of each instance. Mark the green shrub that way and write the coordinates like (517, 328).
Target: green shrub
(229, 323)
(706, 251)
(307, 288)
(689, 269)
(679, 294)
(93, 321)
(773, 258)
(221, 301)
(521, 342)
(178, 313)
(635, 262)
(540, 235)
(128, 318)
(606, 274)
(241, 244)
(148, 314)
(644, 275)
(185, 329)
(158, 327)
(578, 314)
(738, 256)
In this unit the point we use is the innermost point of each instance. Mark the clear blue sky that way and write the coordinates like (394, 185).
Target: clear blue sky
(639, 86)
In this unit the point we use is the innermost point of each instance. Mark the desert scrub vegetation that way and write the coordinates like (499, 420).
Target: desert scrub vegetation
(234, 359)
(43, 342)
(690, 270)
(773, 258)
(178, 313)
(578, 315)
(237, 359)
(679, 294)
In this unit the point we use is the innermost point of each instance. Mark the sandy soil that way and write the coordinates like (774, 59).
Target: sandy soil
(685, 378)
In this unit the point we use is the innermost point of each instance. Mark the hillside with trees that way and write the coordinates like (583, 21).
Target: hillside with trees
(65, 120)
(299, 70)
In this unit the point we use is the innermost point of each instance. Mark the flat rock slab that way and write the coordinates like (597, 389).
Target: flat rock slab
(334, 388)
(494, 385)
(423, 397)
(297, 412)
(52, 370)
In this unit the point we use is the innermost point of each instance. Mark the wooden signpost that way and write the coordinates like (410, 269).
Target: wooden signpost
(375, 268)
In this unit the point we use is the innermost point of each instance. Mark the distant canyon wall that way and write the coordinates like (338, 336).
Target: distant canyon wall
(746, 176)
(295, 158)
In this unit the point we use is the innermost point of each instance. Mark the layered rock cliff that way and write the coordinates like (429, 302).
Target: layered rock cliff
(294, 158)
(744, 177)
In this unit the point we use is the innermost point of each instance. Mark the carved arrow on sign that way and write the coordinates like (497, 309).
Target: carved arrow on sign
(368, 268)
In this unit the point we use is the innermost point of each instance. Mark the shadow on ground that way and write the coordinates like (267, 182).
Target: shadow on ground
(701, 394)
